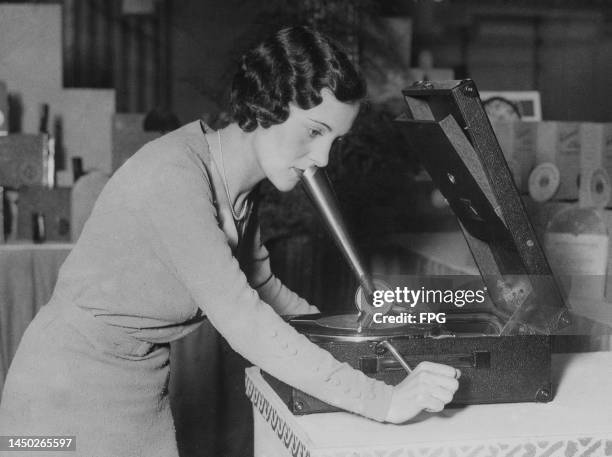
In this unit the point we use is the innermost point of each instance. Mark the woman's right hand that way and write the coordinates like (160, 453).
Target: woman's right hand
(429, 387)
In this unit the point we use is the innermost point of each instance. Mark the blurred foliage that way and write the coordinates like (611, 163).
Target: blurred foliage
(371, 168)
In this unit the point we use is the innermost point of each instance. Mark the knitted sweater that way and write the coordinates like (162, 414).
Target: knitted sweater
(151, 264)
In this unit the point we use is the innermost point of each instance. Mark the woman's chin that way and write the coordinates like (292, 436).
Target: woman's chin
(285, 185)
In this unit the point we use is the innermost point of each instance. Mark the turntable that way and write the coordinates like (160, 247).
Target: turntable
(504, 349)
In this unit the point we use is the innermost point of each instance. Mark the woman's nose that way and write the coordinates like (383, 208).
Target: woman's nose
(320, 157)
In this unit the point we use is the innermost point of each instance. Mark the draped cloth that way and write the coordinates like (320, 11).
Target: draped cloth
(211, 413)
(28, 274)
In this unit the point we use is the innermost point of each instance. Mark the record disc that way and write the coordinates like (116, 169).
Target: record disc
(600, 188)
(544, 181)
(344, 327)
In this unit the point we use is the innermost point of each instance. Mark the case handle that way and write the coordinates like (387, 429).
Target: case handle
(378, 364)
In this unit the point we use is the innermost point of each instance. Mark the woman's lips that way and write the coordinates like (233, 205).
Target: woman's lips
(298, 171)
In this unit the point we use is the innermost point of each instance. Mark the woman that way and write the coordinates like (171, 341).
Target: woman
(172, 241)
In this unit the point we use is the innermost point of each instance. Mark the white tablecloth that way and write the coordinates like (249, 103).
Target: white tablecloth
(28, 273)
(578, 422)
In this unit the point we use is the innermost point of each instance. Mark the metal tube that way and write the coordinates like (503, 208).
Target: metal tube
(319, 189)
(396, 355)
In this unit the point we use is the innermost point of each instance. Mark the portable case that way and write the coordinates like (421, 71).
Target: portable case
(503, 350)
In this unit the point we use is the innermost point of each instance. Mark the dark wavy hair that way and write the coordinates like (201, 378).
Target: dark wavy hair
(293, 65)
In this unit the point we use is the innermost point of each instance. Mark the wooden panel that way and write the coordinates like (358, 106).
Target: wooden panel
(500, 55)
(564, 52)
(568, 70)
(132, 65)
(602, 109)
(105, 48)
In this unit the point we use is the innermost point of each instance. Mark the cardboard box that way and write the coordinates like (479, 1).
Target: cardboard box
(4, 110)
(24, 160)
(576, 148)
(54, 204)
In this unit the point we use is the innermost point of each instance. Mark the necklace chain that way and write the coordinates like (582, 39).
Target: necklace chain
(243, 210)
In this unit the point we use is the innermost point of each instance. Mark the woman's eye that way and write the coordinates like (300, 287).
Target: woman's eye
(314, 132)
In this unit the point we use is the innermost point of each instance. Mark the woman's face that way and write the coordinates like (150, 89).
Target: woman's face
(285, 150)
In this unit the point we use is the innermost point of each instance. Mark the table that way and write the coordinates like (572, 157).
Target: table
(577, 423)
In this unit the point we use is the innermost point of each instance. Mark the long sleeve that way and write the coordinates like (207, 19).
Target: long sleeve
(175, 208)
(270, 289)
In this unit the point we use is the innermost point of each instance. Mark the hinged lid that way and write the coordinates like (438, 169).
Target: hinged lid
(451, 134)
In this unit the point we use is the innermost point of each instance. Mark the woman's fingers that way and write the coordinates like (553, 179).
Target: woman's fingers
(430, 387)
(433, 379)
(434, 405)
(430, 374)
(442, 394)
(444, 370)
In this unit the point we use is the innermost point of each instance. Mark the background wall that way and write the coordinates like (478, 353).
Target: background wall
(561, 48)
(182, 54)
(206, 39)
(106, 46)
(209, 37)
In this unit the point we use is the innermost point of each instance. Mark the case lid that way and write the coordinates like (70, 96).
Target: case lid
(451, 133)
